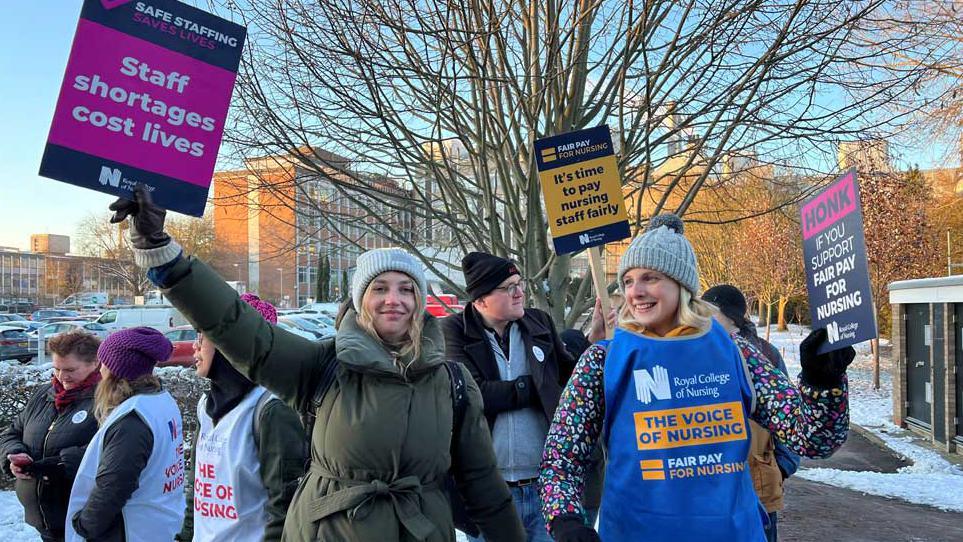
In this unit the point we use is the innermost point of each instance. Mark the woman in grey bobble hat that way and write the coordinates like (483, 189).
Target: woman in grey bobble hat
(674, 394)
(384, 436)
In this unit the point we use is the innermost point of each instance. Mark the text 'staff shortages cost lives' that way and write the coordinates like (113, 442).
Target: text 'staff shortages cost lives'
(582, 189)
(144, 99)
(837, 276)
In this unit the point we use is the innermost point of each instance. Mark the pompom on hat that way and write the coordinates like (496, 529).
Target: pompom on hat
(266, 309)
(664, 248)
(132, 353)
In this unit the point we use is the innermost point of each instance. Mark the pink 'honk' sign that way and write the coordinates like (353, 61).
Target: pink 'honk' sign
(834, 203)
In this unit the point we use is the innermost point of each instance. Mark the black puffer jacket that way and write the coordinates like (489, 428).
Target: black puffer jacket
(43, 433)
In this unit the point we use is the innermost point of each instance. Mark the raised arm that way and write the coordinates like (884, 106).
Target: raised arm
(813, 419)
(287, 365)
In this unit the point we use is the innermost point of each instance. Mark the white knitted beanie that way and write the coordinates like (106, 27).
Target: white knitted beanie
(664, 248)
(376, 261)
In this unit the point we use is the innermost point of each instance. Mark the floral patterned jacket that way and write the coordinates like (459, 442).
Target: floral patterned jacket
(811, 422)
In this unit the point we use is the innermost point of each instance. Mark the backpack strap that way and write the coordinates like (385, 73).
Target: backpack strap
(328, 375)
(258, 411)
(459, 395)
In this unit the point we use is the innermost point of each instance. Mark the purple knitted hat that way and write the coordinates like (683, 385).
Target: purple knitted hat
(132, 353)
(266, 309)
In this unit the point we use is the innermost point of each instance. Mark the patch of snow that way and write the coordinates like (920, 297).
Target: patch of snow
(11, 520)
(930, 480)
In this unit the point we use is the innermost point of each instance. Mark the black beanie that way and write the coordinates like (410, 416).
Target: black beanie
(730, 301)
(484, 272)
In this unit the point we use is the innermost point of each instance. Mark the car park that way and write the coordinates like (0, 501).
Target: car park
(14, 344)
(56, 328)
(319, 322)
(11, 318)
(182, 337)
(295, 330)
(44, 314)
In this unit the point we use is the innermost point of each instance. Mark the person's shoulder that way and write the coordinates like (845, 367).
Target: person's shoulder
(454, 323)
(540, 316)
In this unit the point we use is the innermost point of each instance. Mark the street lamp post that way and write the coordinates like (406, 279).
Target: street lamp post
(237, 267)
(281, 295)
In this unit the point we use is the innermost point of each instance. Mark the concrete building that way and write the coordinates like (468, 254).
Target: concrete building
(275, 219)
(46, 243)
(30, 279)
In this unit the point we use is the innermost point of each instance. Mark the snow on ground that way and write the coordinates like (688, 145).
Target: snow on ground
(11, 520)
(930, 480)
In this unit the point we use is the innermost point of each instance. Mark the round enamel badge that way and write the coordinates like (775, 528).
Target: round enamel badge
(539, 354)
(79, 416)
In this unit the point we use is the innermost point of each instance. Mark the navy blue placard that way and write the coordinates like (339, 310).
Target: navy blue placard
(173, 25)
(118, 179)
(573, 147)
(834, 257)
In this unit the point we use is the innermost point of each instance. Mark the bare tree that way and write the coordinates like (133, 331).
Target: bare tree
(449, 96)
(110, 242)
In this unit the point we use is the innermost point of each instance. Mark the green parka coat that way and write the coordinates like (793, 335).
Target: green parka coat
(380, 446)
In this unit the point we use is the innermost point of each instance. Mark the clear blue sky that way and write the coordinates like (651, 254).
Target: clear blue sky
(35, 47)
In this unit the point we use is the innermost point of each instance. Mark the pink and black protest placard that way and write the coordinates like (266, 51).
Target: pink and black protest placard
(837, 276)
(144, 99)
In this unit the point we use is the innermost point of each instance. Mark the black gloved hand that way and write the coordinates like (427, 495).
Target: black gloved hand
(524, 391)
(50, 469)
(823, 371)
(147, 219)
(572, 528)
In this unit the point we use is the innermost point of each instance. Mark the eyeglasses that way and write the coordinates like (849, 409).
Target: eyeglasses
(514, 288)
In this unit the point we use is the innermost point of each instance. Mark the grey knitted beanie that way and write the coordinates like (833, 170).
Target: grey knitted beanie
(664, 248)
(376, 261)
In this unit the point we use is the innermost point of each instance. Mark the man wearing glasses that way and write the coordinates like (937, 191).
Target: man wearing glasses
(520, 364)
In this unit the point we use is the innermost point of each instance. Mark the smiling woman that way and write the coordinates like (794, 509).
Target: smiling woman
(381, 389)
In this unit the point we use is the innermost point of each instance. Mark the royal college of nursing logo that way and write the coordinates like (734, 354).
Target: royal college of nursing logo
(655, 383)
(832, 332)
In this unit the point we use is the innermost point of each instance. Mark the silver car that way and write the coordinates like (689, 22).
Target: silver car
(56, 328)
(14, 344)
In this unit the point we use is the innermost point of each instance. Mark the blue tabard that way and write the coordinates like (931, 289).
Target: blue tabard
(677, 433)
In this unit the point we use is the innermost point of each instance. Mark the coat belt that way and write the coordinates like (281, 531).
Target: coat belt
(356, 497)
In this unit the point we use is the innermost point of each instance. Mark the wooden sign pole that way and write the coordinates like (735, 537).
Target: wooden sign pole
(598, 279)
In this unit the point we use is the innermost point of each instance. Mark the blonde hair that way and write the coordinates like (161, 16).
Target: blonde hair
(411, 347)
(692, 312)
(114, 390)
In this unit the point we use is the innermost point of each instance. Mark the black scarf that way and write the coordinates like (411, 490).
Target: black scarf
(228, 387)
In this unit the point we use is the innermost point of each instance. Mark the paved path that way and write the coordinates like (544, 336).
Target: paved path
(819, 512)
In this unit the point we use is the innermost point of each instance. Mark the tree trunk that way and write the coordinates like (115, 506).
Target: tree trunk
(760, 320)
(768, 319)
(781, 317)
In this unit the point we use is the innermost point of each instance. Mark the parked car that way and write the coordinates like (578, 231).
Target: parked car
(160, 317)
(44, 314)
(10, 318)
(291, 328)
(14, 344)
(56, 328)
(307, 324)
(182, 337)
(25, 325)
(329, 309)
(319, 321)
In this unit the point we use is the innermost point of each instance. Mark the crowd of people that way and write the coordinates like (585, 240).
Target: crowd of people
(403, 427)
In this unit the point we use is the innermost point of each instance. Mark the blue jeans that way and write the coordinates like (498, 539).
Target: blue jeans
(529, 508)
(771, 528)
